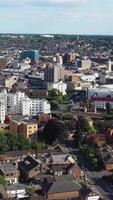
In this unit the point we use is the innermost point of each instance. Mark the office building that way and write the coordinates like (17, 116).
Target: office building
(83, 64)
(33, 55)
(110, 66)
(69, 58)
(53, 73)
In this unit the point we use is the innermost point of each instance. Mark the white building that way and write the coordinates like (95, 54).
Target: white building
(100, 102)
(88, 78)
(61, 86)
(32, 107)
(2, 106)
(110, 66)
(19, 103)
(101, 91)
(14, 102)
(2, 110)
(101, 95)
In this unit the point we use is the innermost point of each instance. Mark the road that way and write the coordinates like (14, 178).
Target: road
(94, 178)
(105, 190)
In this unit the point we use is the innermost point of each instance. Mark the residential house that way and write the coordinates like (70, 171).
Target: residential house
(9, 172)
(24, 126)
(107, 159)
(64, 188)
(16, 191)
(29, 167)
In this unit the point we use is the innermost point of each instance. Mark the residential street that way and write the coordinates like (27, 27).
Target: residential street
(93, 178)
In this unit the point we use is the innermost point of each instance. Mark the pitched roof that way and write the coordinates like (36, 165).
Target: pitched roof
(29, 163)
(65, 186)
(6, 168)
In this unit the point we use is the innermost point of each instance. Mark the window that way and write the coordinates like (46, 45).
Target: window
(30, 127)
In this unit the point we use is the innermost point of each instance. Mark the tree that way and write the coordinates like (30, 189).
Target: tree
(30, 191)
(108, 108)
(3, 142)
(54, 131)
(2, 180)
(91, 129)
(54, 105)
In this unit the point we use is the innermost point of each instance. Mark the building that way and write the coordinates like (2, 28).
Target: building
(35, 82)
(33, 107)
(7, 81)
(16, 191)
(110, 66)
(100, 91)
(29, 129)
(2, 110)
(14, 102)
(88, 78)
(100, 96)
(69, 58)
(83, 64)
(19, 103)
(64, 189)
(59, 60)
(53, 73)
(3, 62)
(29, 167)
(9, 172)
(61, 86)
(26, 127)
(100, 102)
(32, 54)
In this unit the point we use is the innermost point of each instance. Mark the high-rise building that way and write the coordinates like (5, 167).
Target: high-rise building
(69, 58)
(32, 54)
(53, 73)
(83, 64)
(110, 66)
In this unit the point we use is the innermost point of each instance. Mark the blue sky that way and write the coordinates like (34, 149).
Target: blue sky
(56, 16)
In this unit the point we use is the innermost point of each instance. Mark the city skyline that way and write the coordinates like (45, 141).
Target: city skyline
(57, 16)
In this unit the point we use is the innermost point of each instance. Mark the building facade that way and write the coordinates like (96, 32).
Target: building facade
(32, 54)
(19, 103)
(53, 73)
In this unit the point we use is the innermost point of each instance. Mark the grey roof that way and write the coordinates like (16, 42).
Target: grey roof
(8, 168)
(66, 186)
(59, 158)
(16, 186)
(64, 178)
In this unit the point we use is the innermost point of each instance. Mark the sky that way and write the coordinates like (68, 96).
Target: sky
(57, 16)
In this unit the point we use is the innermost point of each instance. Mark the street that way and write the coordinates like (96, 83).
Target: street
(94, 179)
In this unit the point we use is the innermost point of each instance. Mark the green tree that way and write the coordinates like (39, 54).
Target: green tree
(91, 129)
(4, 147)
(2, 180)
(54, 105)
(30, 191)
(54, 131)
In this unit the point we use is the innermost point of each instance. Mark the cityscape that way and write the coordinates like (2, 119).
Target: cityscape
(56, 100)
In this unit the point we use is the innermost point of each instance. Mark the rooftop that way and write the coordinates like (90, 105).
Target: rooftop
(66, 186)
(8, 168)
